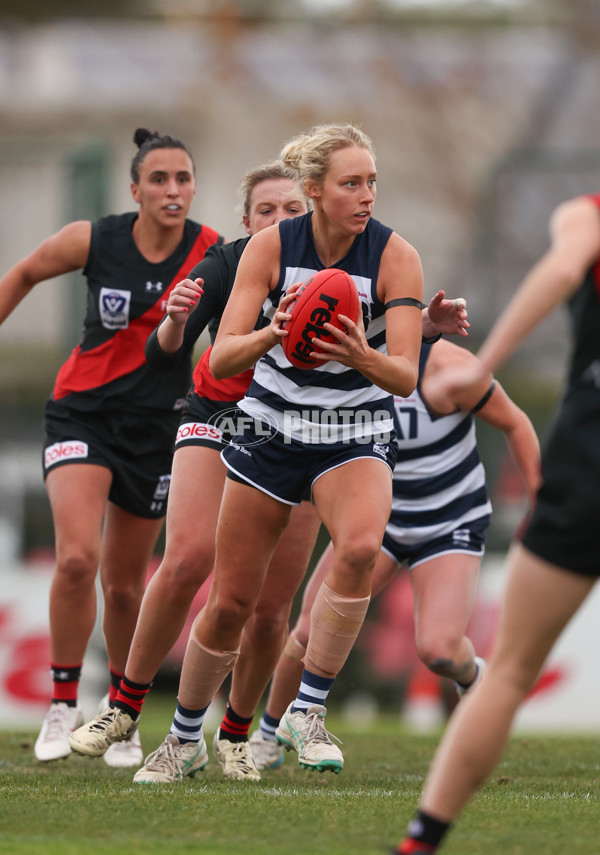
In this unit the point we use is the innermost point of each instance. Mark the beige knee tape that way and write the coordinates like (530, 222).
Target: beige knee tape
(335, 622)
(294, 649)
(202, 673)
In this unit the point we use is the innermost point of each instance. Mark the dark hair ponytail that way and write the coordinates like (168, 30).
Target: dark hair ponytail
(148, 141)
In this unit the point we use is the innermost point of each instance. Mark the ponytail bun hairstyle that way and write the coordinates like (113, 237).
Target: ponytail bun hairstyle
(148, 141)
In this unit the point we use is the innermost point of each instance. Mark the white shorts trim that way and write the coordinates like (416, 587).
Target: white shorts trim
(351, 460)
(259, 487)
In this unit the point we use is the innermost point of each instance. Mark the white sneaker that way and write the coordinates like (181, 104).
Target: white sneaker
(481, 669)
(172, 762)
(267, 754)
(123, 755)
(305, 733)
(236, 759)
(95, 737)
(126, 754)
(53, 740)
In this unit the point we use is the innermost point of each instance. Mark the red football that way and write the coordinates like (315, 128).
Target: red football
(319, 300)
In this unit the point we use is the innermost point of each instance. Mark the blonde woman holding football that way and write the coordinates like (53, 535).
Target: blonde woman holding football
(350, 481)
(269, 194)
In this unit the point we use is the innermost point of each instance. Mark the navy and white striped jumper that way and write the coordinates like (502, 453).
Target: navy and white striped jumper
(331, 393)
(439, 480)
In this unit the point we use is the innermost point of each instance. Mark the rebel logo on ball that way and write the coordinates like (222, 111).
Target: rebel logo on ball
(320, 300)
(315, 328)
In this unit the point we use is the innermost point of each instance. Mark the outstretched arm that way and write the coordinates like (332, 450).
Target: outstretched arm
(501, 412)
(64, 251)
(455, 379)
(170, 342)
(575, 245)
(182, 301)
(192, 304)
(238, 345)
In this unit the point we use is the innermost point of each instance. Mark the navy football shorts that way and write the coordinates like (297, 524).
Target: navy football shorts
(138, 450)
(468, 538)
(287, 470)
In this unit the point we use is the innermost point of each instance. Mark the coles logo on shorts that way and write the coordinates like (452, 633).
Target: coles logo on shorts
(114, 308)
(61, 451)
(198, 430)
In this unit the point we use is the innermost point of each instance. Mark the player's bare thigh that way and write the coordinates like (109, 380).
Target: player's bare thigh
(78, 495)
(354, 502)
(539, 600)
(197, 480)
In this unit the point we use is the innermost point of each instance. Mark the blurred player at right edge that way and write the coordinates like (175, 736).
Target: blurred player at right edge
(554, 567)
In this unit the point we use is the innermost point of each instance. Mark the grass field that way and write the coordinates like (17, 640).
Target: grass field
(544, 798)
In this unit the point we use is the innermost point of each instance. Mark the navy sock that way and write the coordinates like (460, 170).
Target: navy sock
(313, 691)
(187, 724)
(268, 726)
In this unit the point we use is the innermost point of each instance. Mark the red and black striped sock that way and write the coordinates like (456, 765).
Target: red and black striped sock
(131, 696)
(65, 683)
(115, 683)
(425, 833)
(414, 847)
(234, 728)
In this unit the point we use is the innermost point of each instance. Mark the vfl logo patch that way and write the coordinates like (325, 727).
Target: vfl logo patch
(114, 308)
(61, 451)
(162, 488)
(592, 374)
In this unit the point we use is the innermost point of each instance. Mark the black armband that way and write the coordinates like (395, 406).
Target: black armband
(410, 301)
(485, 398)
(431, 339)
(405, 301)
